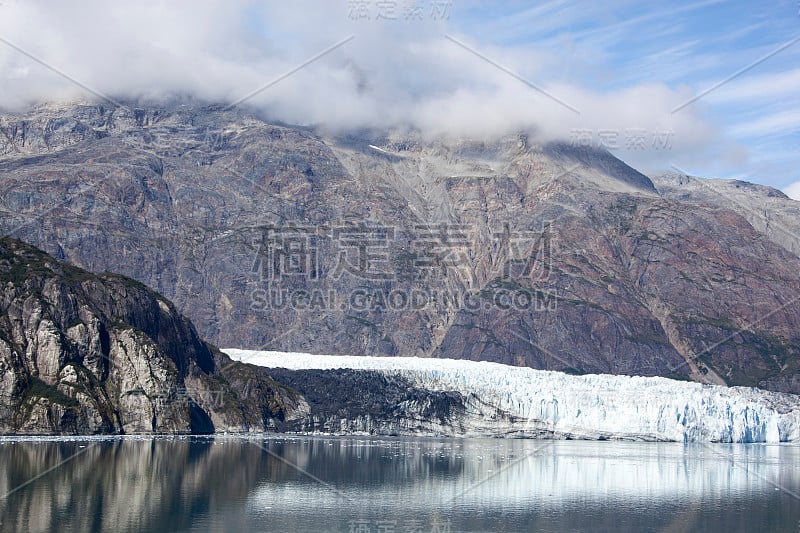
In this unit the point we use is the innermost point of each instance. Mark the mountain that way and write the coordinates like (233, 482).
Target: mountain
(83, 354)
(546, 255)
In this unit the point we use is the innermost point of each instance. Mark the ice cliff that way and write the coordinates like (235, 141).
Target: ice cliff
(545, 403)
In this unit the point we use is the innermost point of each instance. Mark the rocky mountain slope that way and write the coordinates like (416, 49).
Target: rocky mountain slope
(550, 256)
(83, 354)
(768, 210)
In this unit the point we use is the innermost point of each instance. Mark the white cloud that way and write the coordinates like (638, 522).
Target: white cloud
(393, 73)
(793, 190)
(779, 122)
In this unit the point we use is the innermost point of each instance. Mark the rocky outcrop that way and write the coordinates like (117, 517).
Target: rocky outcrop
(86, 354)
(544, 255)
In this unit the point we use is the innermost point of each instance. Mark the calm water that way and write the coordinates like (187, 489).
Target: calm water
(395, 485)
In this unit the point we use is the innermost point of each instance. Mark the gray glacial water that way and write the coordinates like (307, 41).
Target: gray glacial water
(363, 484)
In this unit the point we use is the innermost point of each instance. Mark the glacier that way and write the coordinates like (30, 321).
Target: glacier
(595, 406)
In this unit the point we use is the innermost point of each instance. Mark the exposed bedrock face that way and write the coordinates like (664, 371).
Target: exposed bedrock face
(543, 255)
(86, 354)
(376, 403)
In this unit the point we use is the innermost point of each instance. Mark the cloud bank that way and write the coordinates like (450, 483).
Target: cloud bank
(417, 72)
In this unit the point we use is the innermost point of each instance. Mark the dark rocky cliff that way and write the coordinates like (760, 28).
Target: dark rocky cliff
(246, 226)
(83, 354)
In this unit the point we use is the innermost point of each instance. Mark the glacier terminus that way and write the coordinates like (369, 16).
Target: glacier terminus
(502, 400)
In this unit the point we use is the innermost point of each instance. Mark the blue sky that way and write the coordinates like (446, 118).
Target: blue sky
(631, 76)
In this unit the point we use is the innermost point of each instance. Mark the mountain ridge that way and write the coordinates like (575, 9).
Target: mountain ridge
(624, 274)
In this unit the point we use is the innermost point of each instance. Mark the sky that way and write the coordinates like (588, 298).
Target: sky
(710, 88)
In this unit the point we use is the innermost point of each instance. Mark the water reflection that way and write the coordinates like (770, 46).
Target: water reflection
(350, 484)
